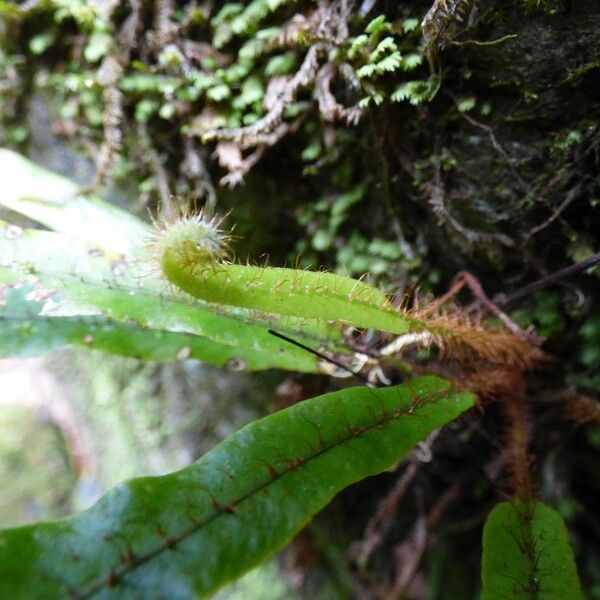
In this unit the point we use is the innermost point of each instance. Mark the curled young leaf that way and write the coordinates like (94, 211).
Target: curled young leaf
(190, 260)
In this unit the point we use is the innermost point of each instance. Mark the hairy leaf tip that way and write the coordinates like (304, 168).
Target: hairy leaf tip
(195, 241)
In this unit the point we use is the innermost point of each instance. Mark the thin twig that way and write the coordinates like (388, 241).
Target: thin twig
(504, 299)
(329, 107)
(465, 278)
(571, 195)
(409, 554)
(504, 38)
(194, 168)
(496, 145)
(161, 177)
(380, 523)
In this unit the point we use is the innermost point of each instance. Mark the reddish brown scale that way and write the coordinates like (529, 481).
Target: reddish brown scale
(372, 414)
(170, 543)
(294, 464)
(128, 558)
(533, 585)
(272, 470)
(528, 550)
(112, 580)
(229, 509)
(580, 408)
(526, 517)
(193, 519)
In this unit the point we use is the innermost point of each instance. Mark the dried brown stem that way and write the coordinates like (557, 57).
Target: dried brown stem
(111, 145)
(465, 278)
(437, 200)
(409, 554)
(571, 195)
(329, 107)
(109, 75)
(161, 178)
(552, 278)
(303, 77)
(444, 21)
(194, 168)
(380, 523)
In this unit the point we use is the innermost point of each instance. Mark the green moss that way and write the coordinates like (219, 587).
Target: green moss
(34, 459)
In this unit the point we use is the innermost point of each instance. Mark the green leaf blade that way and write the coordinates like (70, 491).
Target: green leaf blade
(288, 292)
(25, 332)
(56, 202)
(188, 533)
(88, 280)
(527, 555)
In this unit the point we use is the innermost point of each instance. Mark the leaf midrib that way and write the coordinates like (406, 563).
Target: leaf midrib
(118, 572)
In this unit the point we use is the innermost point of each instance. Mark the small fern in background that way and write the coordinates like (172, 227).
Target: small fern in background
(382, 50)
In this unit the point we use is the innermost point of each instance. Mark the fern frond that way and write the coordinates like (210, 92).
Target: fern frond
(413, 91)
(411, 61)
(378, 25)
(366, 70)
(386, 45)
(389, 63)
